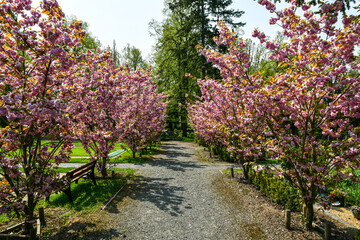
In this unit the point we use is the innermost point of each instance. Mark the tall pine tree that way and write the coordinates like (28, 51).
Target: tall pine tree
(187, 24)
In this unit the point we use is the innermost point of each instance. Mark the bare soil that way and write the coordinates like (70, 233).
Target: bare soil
(346, 215)
(269, 217)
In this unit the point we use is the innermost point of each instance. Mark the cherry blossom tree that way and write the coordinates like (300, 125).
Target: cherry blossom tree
(308, 114)
(37, 60)
(313, 107)
(205, 115)
(94, 106)
(228, 106)
(143, 116)
(111, 104)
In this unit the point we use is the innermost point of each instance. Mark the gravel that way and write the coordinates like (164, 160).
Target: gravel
(173, 198)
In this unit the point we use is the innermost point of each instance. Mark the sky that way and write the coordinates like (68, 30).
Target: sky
(127, 21)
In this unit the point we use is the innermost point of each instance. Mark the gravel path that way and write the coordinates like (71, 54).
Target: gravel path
(173, 198)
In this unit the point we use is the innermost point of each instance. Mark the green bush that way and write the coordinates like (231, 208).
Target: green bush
(357, 235)
(352, 190)
(276, 189)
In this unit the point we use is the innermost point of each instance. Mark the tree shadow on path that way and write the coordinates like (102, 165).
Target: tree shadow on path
(83, 231)
(158, 189)
(176, 158)
(155, 190)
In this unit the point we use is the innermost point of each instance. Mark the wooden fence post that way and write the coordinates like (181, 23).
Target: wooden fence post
(232, 172)
(327, 232)
(287, 218)
(42, 215)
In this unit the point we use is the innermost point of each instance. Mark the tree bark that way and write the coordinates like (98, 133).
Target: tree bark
(246, 169)
(29, 219)
(183, 127)
(103, 167)
(309, 213)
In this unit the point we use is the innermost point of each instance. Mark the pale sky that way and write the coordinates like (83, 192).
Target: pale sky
(126, 21)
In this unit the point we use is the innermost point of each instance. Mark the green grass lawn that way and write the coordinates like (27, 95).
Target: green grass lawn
(78, 150)
(125, 157)
(86, 195)
(79, 155)
(128, 159)
(63, 170)
(58, 169)
(228, 171)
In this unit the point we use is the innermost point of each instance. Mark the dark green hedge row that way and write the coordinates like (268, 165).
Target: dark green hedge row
(276, 188)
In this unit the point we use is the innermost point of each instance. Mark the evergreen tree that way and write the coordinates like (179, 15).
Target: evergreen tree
(115, 55)
(187, 24)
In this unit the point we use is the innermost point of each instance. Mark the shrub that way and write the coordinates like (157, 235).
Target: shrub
(275, 188)
(357, 235)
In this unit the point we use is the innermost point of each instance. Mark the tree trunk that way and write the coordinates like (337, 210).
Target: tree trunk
(309, 213)
(183, 127)
(103, 167)
(29, 218)
(202, 33)
(171, 128)
(246, 169)
(133, 153)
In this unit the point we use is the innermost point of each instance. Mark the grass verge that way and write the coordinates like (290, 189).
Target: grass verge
(88, 198)
(125, 157)
(228, 171)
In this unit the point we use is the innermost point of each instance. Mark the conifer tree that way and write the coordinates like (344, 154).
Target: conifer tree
(187, 24)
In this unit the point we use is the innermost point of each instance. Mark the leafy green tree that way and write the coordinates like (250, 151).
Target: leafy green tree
(90, 42)
(132, 56)
(259, 58)
(187, 24)
(175, 56)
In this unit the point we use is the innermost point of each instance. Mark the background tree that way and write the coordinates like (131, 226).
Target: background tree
(187, 24)
(175, 56)
(89, 42)
(259, 57)
(131, 56)
(115, 55)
